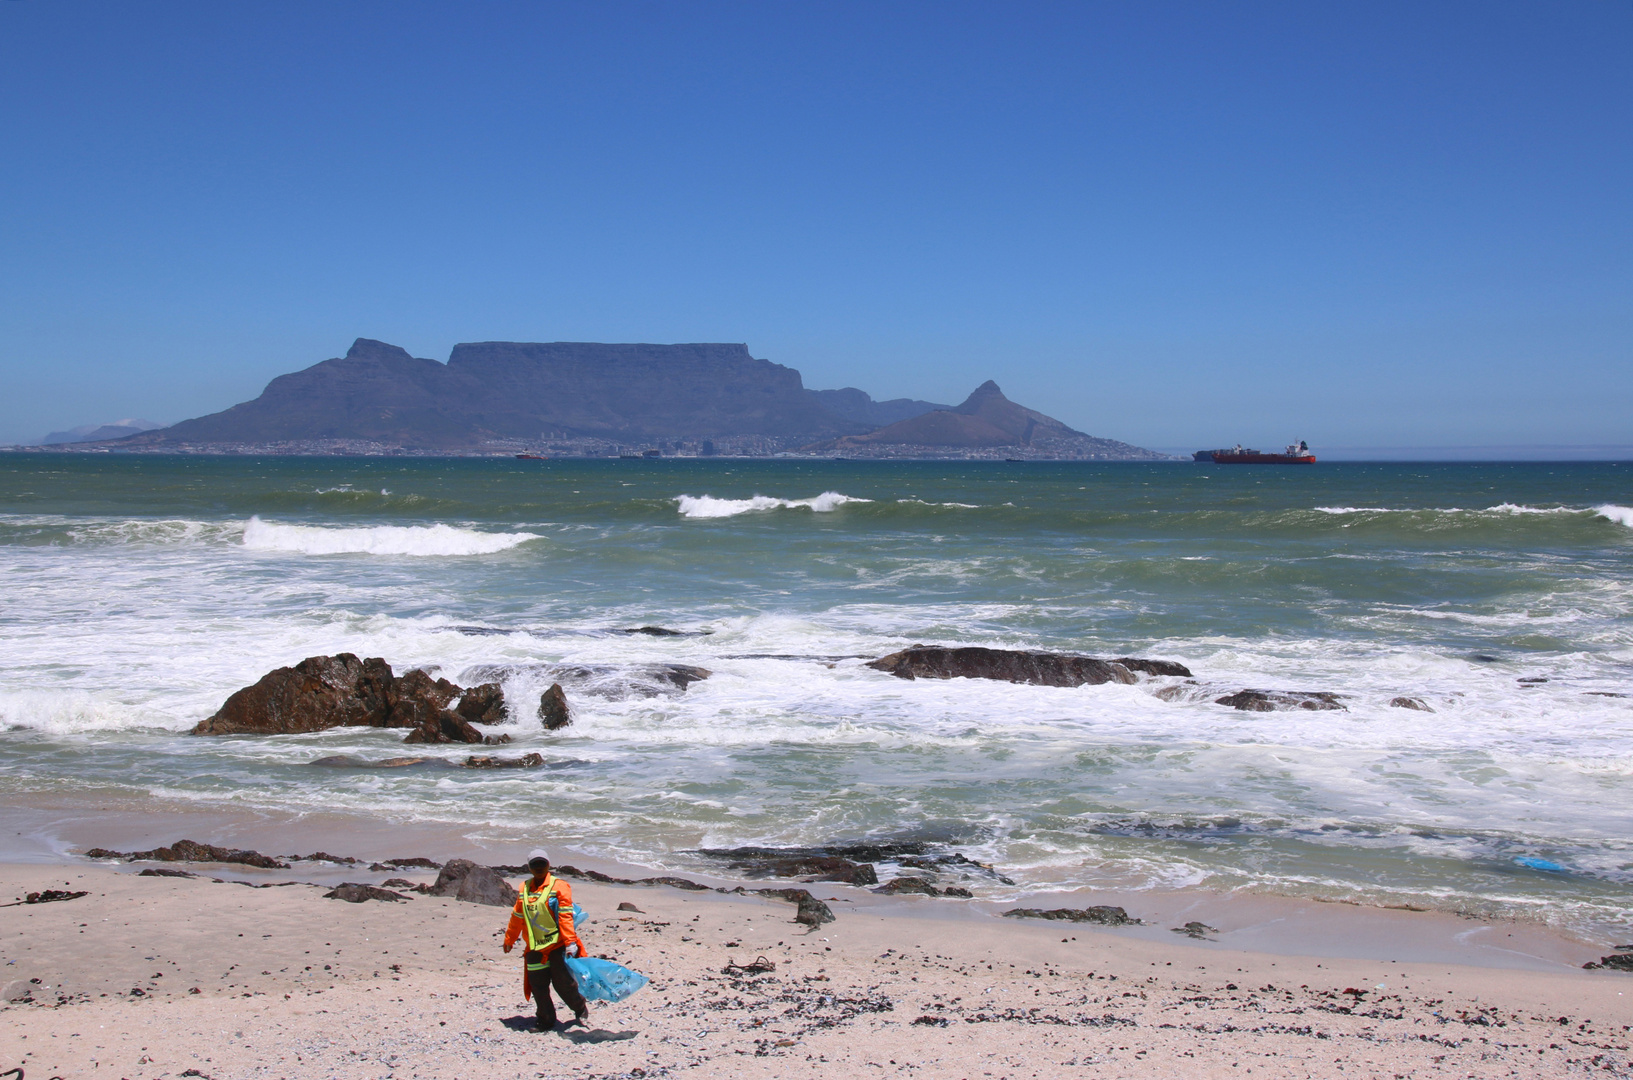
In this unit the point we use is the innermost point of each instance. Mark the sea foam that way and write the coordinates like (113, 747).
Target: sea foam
(413, 540)
(1621, 515)
(707, 506)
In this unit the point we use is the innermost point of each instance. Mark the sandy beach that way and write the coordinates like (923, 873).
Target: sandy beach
(159, 976)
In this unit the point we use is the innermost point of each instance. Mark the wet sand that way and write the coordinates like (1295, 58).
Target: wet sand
(149, 977)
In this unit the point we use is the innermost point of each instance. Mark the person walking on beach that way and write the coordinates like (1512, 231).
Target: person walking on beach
(543, 916)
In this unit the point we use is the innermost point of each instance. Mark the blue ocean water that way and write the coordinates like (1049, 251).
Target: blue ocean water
(140, 591)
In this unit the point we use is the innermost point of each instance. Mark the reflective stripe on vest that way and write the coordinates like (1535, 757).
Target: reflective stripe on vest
(537, 919)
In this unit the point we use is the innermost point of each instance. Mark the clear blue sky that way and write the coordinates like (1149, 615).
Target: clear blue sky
(1366, 224)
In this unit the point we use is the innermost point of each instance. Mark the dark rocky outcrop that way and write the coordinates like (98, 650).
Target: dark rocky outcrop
(812, 912)
(356, 893)
(189, 851)
(1008, 665)
(1617, 961)
(1271, 700)
(808, 866)
(553, 710)
(323, 692)
(1103, 914)
(473, 883)
(318, 693)
(414, 862)
(483, 704)
(165, 871)
(921, 886)
(1417, 704)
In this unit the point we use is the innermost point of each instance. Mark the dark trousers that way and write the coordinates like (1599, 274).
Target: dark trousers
(555, 974)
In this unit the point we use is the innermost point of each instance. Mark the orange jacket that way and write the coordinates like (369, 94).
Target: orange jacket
(564, 917)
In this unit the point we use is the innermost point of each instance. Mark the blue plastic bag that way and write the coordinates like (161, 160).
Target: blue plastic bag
(604, 980)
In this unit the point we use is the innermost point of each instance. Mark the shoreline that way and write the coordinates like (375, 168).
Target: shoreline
(194, 977)
(55, 833)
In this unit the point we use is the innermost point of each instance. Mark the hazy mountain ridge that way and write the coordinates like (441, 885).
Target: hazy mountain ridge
(588, 397)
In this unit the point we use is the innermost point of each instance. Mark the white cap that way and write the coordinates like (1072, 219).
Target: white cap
(538, 853)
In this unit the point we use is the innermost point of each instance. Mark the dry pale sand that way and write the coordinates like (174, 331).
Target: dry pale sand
(165, 977)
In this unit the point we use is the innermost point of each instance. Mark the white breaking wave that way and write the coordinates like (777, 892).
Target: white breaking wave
(1500, 508)
(1621, 515)
(377, 540)
(707, 506)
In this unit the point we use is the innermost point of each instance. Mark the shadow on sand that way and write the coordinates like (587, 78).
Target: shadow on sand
(570, 1031)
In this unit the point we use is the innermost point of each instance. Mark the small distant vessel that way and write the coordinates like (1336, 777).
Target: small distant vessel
(1295, 454)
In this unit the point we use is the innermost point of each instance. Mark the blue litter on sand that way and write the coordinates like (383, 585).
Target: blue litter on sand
(604, 980)
(1540, 864)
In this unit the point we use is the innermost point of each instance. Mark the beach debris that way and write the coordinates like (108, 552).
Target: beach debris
(1271, 700)
(1410, 703)
(189, 851)
(164, 871)
(760, 966)
(18, 990)
(553, 710)
(1531, 862)
(526, 761)
(47, 896)
(473, 883)
(1197, 930)
(323, 692)
(627, 906)
(932, 1021)
(1007, 665)
(1103, 914)
(356, 893)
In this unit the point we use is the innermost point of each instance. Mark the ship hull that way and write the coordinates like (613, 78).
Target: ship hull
(1221, 457)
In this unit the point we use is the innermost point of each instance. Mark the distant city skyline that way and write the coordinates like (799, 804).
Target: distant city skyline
(1392, 230)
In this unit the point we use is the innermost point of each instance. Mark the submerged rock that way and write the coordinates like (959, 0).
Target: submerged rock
(473, 883)
(897, 886)
(323, 692)
(1005, 665)
(526, 761)
(1417, 704)
(1271, 700)
(1102, 914)
(553, 710)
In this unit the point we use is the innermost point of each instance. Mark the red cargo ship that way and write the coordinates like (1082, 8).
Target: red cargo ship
(1298, 454)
